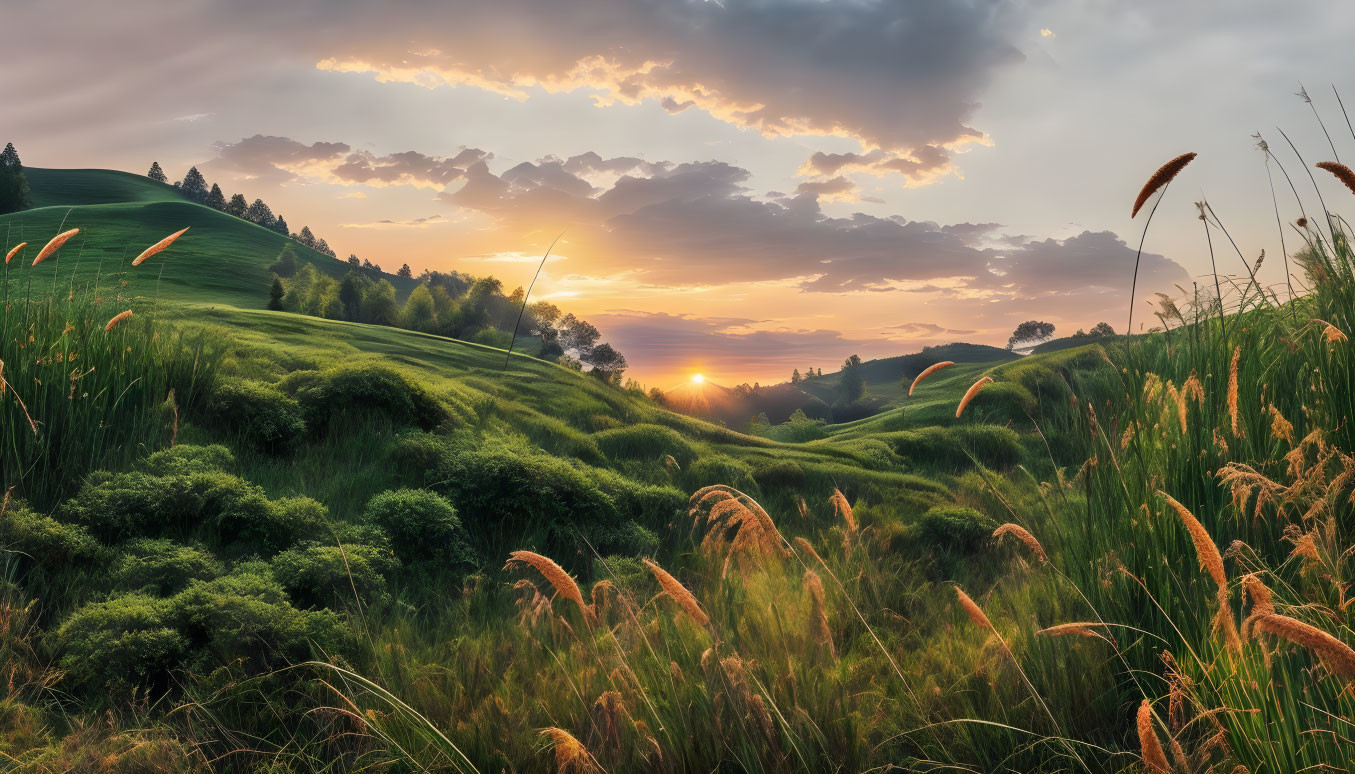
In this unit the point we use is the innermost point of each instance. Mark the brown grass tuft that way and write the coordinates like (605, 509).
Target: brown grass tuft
(1280, 428)
(678, 593)
(157, 247)
(974, 611)
(971, 394)
(570, 755)
(843, 508)
(1233, 414)
(1337, 656)
(1154, 759)
(1078, 628)
(1020, 533)
(1211, 561)
(1341, 171)
(928, 371)
(1160, 178)
(1331, 333)
(54, 245)
(819, 630)
(119, 317)
(555, 576)
(14, 251)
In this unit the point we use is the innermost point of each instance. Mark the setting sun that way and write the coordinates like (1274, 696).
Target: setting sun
(698, 378)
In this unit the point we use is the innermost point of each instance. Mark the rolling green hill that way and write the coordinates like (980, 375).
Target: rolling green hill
(884, 376)
(221, 260)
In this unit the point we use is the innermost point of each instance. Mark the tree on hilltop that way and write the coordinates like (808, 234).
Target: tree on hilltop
(156, 173)
(1030, 332)
(237, 206)
(14, 194)
(259, 213)
(215, 199)
(194, 186)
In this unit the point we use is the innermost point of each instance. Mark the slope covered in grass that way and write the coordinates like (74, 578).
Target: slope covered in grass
(221, 260)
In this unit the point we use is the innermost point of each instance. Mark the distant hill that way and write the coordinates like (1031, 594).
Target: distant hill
(884, 376)
(712, 401)
(222, 259)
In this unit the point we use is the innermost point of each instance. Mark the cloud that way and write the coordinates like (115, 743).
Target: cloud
(275, 158)
(433, 220)
(912, 329)
(667, 343)
(837, 188)
(899, 78)
(282, 158)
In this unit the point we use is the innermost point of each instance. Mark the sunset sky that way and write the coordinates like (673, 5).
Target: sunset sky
(744, 187)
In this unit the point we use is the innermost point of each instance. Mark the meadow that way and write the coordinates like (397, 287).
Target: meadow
(241, 539)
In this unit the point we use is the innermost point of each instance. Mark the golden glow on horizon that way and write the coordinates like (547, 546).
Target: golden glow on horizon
(698, 379)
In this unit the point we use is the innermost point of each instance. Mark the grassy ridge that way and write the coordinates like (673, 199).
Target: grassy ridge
(221, 260)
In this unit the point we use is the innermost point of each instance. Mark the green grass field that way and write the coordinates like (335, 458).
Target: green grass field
(236, 539)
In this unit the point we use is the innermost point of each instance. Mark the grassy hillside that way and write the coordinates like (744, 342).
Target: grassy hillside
(221, 260)
(245, 540)
(884, 376)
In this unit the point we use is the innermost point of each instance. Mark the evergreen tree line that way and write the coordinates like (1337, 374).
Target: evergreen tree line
(14, 195)
(447, 304)
(194, 187)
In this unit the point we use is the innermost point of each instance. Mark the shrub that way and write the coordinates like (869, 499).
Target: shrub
(125, 642)
(246, 617)
(322, 394)
(779, 473)
(717, 469)
(212, 505)
(162, 567)
(644, 442)
(955, 528)
(53, 547)
(949, 448)
(259, 414)
(1002, 402)
(188, 458)
(422, 527)
(330, 576)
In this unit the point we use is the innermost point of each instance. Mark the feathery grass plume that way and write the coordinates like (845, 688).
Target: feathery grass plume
(1022, 534)
(805, 546)
(819, 629)
(119, 317)
(1341, 171)
(157, 247)
(1078, 628)
(1211, 561)
(54, 245)
(1153, 756)
(555, 576)
(1280, 428)
(14, 251)
(1337, 656)
(1331, 333)
(802, 506)
(971, 394)
(1165, 174)
(928, 371)
(678, 593)
(1259, 596)
(570, 755)
(732, 512)
(843, 508)
(974, 612)
(1233, 414)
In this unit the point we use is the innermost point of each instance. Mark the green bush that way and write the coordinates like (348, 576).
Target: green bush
(717, 469)
(1002, 402)
(955, 528)
(776, 474)
(422, 527)
(213, 506)
(128, 641)
(162, 566)
(949, 448)
(188, 458)
(246, 618)
(644, 442)
(330, 576)
(323, 394)
(31, 539)
(258, 414)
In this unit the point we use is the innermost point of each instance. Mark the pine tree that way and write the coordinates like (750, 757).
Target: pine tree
(405, 271)
(259, 213)
(306, 237)
(323, 247)
(157, 174)
(215, 199)
(275, 295)
(14, 194)
(237, 206)
(194, 186)
(353, 261)
(795, 376)
(280, 226)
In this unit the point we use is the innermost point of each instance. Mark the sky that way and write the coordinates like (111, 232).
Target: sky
(740, 187)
